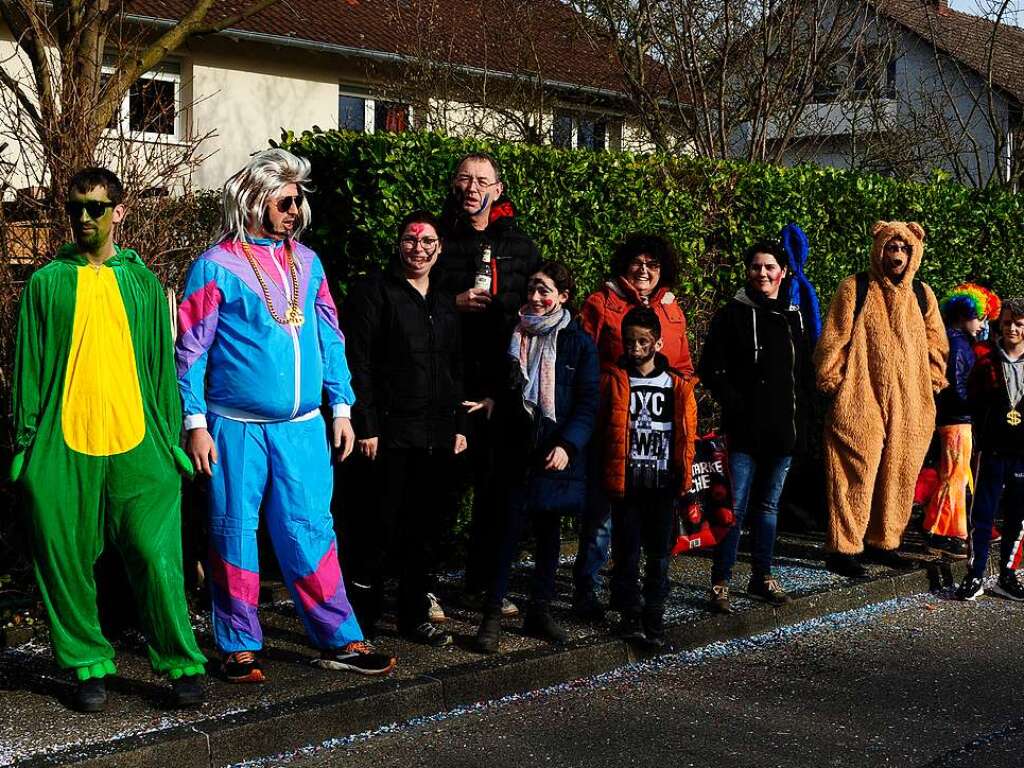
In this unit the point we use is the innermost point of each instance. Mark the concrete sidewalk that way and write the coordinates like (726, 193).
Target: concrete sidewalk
(301, 704)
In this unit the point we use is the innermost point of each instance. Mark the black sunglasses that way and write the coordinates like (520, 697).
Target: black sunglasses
(284, 204)
(95, 208)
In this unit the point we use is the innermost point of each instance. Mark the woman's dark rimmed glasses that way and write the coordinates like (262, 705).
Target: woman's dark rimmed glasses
(410, 243)
(95, 208)
(284, 204)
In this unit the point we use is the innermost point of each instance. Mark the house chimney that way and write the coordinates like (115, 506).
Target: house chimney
(940, 7)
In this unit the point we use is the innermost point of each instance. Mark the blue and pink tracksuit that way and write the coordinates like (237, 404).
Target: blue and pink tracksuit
(258, 385)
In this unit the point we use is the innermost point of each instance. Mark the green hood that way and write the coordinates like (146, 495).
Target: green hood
(69, 252)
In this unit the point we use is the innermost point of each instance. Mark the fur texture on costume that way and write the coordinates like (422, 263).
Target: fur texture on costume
(882, 368)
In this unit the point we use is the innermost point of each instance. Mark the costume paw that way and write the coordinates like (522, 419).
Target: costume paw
(17, 466)
(103, 668)
(184, 463)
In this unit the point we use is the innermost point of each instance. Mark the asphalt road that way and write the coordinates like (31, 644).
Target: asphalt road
(922, 682)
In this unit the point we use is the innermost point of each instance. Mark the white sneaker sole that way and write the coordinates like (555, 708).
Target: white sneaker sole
(972, 598)
(341, 666)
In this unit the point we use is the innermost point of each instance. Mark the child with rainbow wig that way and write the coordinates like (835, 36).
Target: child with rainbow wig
(965, 310)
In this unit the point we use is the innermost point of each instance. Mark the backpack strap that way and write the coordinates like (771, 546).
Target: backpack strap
(862, 294)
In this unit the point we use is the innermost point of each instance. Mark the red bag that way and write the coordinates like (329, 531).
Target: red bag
(704, 516)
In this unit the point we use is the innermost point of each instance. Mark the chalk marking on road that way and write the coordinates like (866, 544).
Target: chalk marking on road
(717, 650)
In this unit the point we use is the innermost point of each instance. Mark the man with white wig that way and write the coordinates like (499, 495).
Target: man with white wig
(258, 348)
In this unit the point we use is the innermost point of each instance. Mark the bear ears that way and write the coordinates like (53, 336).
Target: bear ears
(915, 229)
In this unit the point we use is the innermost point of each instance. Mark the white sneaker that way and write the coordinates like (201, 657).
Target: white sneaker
(435, 613)
(508, 608)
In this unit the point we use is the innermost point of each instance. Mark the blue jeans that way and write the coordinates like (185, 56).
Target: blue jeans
(756, 484)
(595, 536)
(1000, 481)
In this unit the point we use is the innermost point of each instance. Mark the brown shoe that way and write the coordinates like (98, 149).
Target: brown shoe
(718, 600)
(768, 589)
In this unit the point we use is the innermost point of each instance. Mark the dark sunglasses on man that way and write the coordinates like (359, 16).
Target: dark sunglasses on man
(284, 204)
(96, 209)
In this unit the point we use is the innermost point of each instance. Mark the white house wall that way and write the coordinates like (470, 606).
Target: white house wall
(248, 99)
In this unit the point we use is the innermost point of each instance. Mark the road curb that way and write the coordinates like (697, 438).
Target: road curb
(296, 723)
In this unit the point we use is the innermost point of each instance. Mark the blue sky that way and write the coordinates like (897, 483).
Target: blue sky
(1015, 12)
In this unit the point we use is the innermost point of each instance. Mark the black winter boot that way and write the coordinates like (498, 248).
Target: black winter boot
(488, 636)
(540, 624)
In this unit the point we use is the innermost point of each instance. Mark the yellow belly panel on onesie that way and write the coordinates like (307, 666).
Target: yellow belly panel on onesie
(101, 409)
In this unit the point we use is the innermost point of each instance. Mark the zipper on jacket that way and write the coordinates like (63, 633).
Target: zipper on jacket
(293, 330)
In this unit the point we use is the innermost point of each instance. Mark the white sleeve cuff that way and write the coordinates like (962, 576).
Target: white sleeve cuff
(195, 421)
(341, 411)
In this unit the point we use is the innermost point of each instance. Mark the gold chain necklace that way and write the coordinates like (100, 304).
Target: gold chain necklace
(293, 315)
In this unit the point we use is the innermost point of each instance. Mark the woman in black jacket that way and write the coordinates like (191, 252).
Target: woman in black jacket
(404, 351)
(756, 361)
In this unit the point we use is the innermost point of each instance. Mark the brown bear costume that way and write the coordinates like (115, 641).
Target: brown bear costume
(883, 367)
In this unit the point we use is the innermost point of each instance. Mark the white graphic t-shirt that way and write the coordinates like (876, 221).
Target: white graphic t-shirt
(651, 403)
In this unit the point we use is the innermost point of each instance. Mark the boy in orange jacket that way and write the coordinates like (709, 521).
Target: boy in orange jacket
(648, 416)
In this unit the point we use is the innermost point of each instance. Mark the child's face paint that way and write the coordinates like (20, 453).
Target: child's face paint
(418, 248)
(640, 345)
(543, 296)
(765, 275)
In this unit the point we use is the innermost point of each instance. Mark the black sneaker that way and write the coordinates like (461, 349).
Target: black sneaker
(630, 628)
(90, 695)
(430, 634)
(767, 588)
(488, 636)
(970, 589)
(187, 691)
(588, 608)
(889, 558)
(1009, 586)
(540, 624)
(242, 667)
(359, 657)
(654, 629)
(845, 565)
(718, 599)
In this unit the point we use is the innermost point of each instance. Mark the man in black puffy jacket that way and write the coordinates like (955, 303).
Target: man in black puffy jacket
(486, 263)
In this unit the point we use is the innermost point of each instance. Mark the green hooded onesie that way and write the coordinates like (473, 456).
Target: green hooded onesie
(97, 420)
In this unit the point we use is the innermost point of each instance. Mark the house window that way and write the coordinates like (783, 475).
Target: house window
(352, 113)
(561, 132)
(570, 131)
(150, 110)
(857, 75)
(364, 114)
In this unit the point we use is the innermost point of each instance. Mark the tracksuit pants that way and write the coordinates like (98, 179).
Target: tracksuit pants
(285, 468)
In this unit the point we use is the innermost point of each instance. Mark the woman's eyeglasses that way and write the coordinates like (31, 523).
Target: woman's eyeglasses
(652, 266)
(410, 243)
(897, 247)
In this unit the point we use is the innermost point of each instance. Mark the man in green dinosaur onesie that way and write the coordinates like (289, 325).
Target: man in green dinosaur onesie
(97, 420)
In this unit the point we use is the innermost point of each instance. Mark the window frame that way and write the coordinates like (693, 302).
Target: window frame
(123, 113)
(370, 101)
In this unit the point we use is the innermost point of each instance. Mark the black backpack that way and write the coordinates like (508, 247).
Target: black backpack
(862, 294)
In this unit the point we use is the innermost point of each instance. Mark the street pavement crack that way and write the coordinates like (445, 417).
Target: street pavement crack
(955, 757)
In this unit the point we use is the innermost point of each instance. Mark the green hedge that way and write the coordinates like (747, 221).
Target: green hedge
(578, 204)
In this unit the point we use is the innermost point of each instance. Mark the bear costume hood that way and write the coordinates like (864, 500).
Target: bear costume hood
(912, 234)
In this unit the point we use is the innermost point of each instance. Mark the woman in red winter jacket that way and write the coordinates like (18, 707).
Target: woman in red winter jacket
(644, 268)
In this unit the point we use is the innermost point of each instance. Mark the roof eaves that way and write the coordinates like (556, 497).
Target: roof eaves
(378, 56)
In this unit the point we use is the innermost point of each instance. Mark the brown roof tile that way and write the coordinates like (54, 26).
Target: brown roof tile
(538, 38)
(966, 38)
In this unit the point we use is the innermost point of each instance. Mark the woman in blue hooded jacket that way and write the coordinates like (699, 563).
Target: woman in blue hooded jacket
(550, 404)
